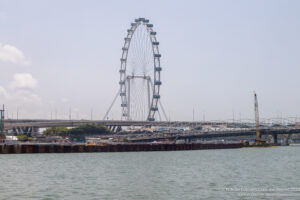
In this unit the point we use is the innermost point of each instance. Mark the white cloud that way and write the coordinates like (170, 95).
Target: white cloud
(24, 81)
(12, 54)
(26, 97)
(3, 93)
(20, 92)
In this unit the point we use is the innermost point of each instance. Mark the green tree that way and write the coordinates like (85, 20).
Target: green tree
(23, 137)
(89, 129)
(56, 131)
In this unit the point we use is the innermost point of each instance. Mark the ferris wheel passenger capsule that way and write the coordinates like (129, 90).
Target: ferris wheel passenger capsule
(156, 96)
(133, 24)
(152, 33)
(151, 119)
(155, 43)
(123, 105)
(122, 94)
(146, 20)
(154, 109)
(157, 55)
(158, 69)
(157, 83)
(149, 25)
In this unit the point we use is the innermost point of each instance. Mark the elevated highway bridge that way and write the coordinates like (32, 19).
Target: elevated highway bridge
(194, 135)
(220, 129)
(9, 124)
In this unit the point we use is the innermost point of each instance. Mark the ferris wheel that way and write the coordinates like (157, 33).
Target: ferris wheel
(140, 72)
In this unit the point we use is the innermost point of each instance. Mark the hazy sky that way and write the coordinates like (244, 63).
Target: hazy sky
(62, 54)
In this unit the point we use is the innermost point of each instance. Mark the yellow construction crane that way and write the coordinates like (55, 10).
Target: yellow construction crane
(258, 136)
(258, 140)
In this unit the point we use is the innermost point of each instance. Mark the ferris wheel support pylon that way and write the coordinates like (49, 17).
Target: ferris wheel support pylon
(128, 114)
(161, 106)
(148, 88)
(111, 105)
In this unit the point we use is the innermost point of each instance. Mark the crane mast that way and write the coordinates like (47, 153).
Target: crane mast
(2, 122)
(258, 136)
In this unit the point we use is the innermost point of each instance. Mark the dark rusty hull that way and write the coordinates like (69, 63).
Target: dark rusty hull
(76, 148)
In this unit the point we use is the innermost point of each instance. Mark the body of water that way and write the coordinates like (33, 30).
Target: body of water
(248, 173)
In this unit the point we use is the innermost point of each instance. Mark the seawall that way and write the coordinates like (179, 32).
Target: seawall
(76, 148)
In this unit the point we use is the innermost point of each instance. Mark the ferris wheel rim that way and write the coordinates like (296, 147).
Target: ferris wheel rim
(156, 68)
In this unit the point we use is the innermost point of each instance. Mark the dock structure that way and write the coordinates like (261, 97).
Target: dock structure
(81, 148)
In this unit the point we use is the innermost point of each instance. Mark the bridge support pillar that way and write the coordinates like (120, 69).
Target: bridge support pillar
(35, 131)
(275, 139)
(119, 128)
(187, 140)
(28, 131)
(286, 139)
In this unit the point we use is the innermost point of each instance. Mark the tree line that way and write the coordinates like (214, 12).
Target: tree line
(83, 130)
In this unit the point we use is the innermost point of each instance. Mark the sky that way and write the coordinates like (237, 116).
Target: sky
(63, 56)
